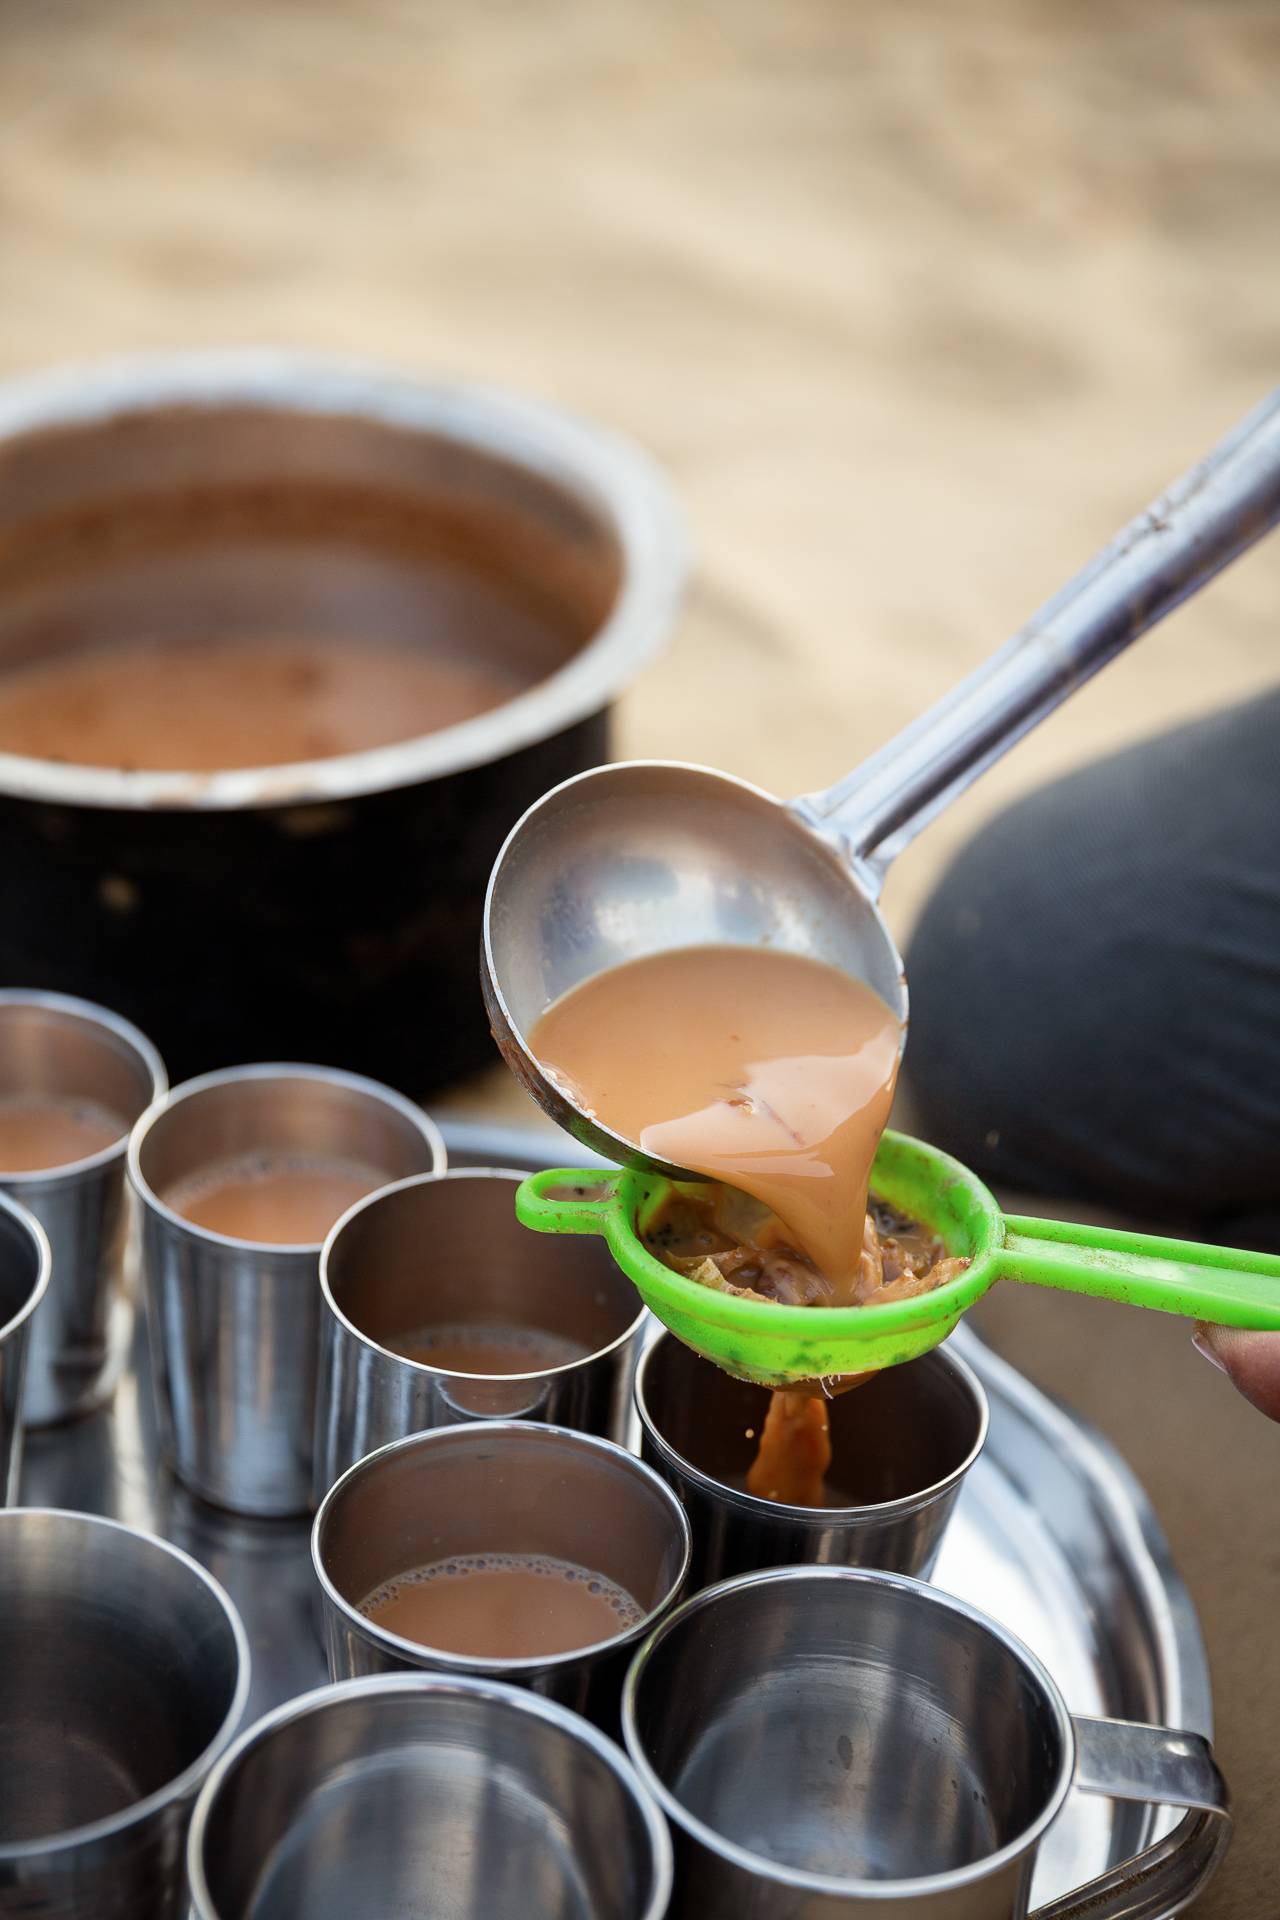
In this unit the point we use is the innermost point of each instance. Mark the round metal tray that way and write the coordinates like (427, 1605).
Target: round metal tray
(1052, 1535)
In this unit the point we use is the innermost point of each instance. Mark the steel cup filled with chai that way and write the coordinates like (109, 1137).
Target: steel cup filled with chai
(515, 1551)
(695, 980)
(240, 1175)
(74, 1077)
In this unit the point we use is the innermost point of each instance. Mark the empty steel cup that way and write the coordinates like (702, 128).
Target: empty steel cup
(57, 1049)
(417, 1794)
(901, 1445)
(431, 1255)
(123, 1673)
(825, 1740)
(502, 1488)
(235, 1323)
(24, 1283)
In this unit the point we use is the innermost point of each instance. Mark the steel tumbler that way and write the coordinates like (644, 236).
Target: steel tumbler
(901, 1445)
(235, 1323)
(56, 1048)
(419, 1794)
(830, 1743)
(24, 1285)
(123, 1673)
(504, 1488)
(432, 1254)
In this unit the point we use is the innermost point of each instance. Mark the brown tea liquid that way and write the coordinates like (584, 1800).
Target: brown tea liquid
(481, 1348)
(39, 1133)
(277, 1199)
(252, 702)
(764, 1069)
(503, 1606)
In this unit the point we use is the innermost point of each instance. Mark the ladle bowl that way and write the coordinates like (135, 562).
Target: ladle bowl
(780, 1346)
(634, 859)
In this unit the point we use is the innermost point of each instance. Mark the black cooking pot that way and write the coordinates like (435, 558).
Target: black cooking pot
(328, 910)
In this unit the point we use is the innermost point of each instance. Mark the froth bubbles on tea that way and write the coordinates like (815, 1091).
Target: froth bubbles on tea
(503, 1606)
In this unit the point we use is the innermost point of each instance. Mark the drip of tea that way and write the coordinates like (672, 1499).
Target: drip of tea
(794, 1452)
(764, 1069)
(503, 1606)
(488, 1349)
(39, 1132)
(277, 1199)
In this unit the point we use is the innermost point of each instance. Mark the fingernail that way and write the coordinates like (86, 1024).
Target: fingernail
(1202, 1341)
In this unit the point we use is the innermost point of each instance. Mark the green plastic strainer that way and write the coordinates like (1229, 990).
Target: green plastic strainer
(776, 1346)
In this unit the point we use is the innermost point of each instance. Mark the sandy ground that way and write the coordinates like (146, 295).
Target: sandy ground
(917, 303)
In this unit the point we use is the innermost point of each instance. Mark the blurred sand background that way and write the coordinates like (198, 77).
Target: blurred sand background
(917, 303)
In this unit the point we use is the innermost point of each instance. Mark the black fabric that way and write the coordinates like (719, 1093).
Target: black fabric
(1095, 985)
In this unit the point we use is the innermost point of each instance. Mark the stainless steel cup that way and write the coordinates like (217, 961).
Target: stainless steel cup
(901, 1445)
(123, 1673)
(825, 1740)
(434, 1253)
(24, 1285)
(507, 1487)
(235, 1323)
(53, 1045)
(420, 1794)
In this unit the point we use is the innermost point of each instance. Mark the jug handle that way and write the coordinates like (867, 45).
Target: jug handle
(1124, 1760)
(1227, 1285)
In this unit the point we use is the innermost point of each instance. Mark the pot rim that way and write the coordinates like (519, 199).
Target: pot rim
(605, 471)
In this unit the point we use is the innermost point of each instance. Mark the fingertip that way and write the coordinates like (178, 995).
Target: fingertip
(1251, 1362)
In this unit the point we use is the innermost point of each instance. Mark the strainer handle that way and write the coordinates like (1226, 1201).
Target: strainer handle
(1124, 1760)
(567, 1200)
(1226, 1285)
(1197, 526)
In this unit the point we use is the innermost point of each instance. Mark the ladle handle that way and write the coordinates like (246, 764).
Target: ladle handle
(1226, 1285)
(1197, 526)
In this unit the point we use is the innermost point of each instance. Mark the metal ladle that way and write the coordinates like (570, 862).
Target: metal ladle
(633, 859)
(646, 855)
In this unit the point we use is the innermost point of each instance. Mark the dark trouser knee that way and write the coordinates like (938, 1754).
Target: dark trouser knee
(1095, 984)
